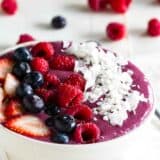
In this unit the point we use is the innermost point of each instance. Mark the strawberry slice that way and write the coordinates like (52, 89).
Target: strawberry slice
(28, 125)
(5, 66)
(10, 84)
(13, 109)
(2, 116)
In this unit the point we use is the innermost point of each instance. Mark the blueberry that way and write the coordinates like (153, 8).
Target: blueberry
(22, 54)
(50, 122)
(23, 90)
(58, 22)
(35, 79)
(33, 104)
(60, 138)
(64, 123)
(52, 110)
(21, 69)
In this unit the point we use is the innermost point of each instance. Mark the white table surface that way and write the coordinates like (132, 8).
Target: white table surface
(34, 17)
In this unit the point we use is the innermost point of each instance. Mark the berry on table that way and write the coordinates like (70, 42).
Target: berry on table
(9, 6)
(58, 22)
(60, 138)
(115, 31)
(153, 27)
(25, 38)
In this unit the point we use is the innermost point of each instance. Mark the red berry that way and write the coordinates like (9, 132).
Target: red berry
(97, 5)
(9, 6)
(63, 62)
(40, 64)
(154, 27)
(116, 31)
(76, 80)
(87, 133)
(51, 80)
(120, 6)
(25, 38)
(81, 112)
(69, 95)
(43, 49)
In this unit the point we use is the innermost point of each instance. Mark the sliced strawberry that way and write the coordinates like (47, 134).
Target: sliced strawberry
(10, 84)
(13, 109)
(2, 116)
(5, 66)
(28, 125)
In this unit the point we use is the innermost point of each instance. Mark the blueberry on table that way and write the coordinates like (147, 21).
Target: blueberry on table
(22, 54)
(33, 104)
(60, 138)
(35, 79)
(64, 123)
(58, 22)
(21, 69)
(52, 110)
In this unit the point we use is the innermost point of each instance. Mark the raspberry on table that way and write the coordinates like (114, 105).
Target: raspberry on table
(69, 95)
(153, 27)
(87, 133)
(62, 62)
(76, 80)
(40, 64)
(44, 50)
(116, 31)
(120, 6)
(25, 38)
(10, 7)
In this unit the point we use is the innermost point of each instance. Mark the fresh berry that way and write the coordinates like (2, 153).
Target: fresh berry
(50, 121)
(24, 90)
(5, 67)
(58, 22)
(97, 5)
(76, 80)
(154, 27)
(69, 95)
(10, 85)
(13, 109)
(9, 6)
(64, 123)
(35, 79)
(40, 64)
(2, 106)
(60, 138)
(120, 6)
(28, 125)
(48, 95)
(87, 133)
(25, 38)
(44, 50)
(33, 104)
(51, 80)
(116, 31)
(81, 112)
(52, 110)
(63, 62)
(21, 69)
(22, 54)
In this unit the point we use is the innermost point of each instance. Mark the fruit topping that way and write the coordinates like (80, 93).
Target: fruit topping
(52, 110)
(2, 107)
(58, 22)
(25, 38)
(60, 138)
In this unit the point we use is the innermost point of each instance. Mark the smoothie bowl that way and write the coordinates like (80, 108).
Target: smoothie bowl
(67, 101)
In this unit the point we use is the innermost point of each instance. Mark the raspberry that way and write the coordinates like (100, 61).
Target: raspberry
(76, 80)
(40, 64)
(81, 112)
(63, 62)
(154, 27)
(43, 49)
(9, 6)
(116, 31)
(120, 6)
(47, 95)
(97, 5)
(51, 80)
(25, 38)
(69, 95)
(87, 133)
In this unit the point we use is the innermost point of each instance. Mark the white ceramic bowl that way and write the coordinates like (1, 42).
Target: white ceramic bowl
(14, 146)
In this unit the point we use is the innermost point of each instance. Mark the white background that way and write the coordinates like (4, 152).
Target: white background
(34, 17)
